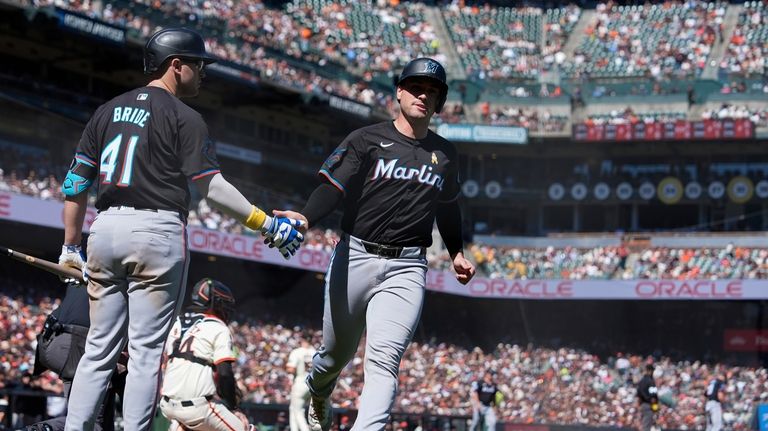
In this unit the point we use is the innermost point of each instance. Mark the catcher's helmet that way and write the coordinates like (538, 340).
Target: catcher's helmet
(428, 68)
(212, 297)
(174, 42)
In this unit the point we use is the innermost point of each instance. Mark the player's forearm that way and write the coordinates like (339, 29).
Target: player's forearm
(74, 215)
(323, 200)
(226, 386)
(449, 224)
(225, 197)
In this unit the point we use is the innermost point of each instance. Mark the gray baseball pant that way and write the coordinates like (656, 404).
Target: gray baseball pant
(488, 413)
(646, 417)
(137, 266)
(714, 415)
(383, 294)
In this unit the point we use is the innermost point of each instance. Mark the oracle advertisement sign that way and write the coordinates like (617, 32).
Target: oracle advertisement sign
(745, 340)
(25, 209)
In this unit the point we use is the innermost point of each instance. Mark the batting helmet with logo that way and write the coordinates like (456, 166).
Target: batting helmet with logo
(174, 42)
(213, 297)
(428, 68)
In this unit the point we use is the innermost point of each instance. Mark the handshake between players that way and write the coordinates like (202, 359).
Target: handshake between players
(287, 232)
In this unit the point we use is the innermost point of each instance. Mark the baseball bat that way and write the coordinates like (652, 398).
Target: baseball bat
(54, 268)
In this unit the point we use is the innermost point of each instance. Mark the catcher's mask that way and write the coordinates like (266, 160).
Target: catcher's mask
(213, 297)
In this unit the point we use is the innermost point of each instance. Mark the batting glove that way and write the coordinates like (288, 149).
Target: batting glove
(281, 232)
(74, 257)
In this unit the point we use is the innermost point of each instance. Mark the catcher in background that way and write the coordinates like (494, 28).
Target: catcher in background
(199, 390)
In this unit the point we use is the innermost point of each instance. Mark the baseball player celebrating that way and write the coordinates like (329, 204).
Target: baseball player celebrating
(141, 148)
(200, 355)
(394, 179)
(299, 362)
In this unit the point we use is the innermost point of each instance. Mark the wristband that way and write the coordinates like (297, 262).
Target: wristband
(257, 218)
(70, 248)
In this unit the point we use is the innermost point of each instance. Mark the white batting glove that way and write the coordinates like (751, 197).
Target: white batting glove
(73, 257)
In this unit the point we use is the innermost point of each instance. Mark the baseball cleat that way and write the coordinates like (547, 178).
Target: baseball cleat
(320, 414)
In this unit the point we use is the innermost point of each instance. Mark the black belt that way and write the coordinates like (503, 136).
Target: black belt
(382, 250)
(75, 329)
(186, 403)
(154, 210)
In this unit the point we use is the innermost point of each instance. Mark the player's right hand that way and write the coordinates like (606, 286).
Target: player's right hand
(283, 233)
(296, 216)
(73, 257)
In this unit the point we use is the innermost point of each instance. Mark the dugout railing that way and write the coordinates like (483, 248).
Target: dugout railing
(274, 417)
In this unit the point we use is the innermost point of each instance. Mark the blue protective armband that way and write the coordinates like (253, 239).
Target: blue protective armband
(80, 176)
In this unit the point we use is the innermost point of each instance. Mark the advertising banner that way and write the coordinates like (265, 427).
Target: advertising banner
(316, 258)
(740, 128)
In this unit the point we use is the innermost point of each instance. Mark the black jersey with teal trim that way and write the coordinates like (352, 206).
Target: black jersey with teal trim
(486, 392)
(392, 183)
(714, 387)
(146, 144)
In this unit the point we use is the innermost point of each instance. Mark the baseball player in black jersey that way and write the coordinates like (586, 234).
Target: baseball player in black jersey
(394, 179)
(483, 399)
(141, 148)
(715, 394)
(648, 397)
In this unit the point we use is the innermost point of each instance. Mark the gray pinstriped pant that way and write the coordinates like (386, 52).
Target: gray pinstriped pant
(137, 264)
(385, 296)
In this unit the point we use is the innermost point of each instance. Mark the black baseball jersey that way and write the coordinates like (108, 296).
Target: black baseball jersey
(392, 183)
(74, 308)
(146, 143)
(486, 392)
(647, 391)
(714, 387)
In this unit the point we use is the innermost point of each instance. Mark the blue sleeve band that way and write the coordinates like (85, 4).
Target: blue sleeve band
(80, 176)
(74, 184)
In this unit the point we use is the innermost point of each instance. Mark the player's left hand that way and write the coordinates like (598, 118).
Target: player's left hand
(73, 256)
(465, 270)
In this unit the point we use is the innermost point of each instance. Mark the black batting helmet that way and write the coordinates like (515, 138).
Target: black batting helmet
(428, 68)
(212, 297)
(174, 42)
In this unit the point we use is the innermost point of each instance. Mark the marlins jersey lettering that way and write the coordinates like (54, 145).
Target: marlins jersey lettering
(208, 339)
(403, 177)
(143, 166)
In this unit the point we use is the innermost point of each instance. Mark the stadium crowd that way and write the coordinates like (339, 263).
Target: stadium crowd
(538, 385)
(503, 261)
(533, 119)
(748, 46)
(351, 49)
(662, 41)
